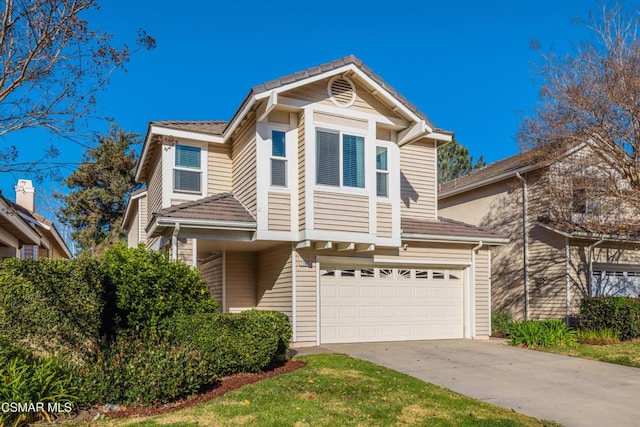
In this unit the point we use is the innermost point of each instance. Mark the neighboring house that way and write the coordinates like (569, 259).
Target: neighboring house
(567, 240)
(318, 199)
(23, 232)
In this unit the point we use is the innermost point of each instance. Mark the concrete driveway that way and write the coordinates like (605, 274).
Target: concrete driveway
(568, 390)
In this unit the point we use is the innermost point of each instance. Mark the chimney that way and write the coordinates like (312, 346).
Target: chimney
(26, 194)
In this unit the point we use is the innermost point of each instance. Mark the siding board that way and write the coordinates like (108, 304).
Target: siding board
(384, 220)
(275, 279)
(241, 281)
(417, 180)
(219, 179)
(211, 270)
(279, 211)
(244, 164)
(341, 212)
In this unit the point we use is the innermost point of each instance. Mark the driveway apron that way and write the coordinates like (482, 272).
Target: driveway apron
(568, 390)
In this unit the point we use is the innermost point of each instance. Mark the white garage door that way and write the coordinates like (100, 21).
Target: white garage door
(365, 304)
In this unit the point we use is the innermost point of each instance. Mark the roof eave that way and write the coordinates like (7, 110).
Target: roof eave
(440, 238)
(487, 181)
(607, 237)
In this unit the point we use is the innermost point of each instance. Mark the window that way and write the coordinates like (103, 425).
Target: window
(382, 172)
(187, 174)
(579, 197)
(338, 165)
(278, 159)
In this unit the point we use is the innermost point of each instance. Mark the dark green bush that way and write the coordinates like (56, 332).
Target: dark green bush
(622, 314)
(542, 333)
(148, 288)
(501, 320)
(52, 306)
(143, 371)
(249, 341)
(27, 378)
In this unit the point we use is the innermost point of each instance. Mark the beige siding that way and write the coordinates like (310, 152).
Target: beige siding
(185, 250)
(133, 236)
(240, 280)
(279, 211)
(333, 120)
(483, 291)
(482, 206)
(211, 269)
(244, 164)
(364, 102)
(142, 215)
(341, 212)
(306, 298)
(154, 186)
(281, 117)
(301, 173)
(547, 279)
(417, 180)
(384, 220)
(429, 254)
(274, 280)
(219, 170)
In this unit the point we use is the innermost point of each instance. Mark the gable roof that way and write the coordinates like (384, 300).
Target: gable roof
(526, 161)
(447, 229)
(218, 130)
(16, 225)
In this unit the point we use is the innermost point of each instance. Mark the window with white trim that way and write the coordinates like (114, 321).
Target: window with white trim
(278, 159)
(187, 172)
(339, 164)
(382, 172)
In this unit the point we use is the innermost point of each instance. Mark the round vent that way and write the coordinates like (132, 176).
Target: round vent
(341, 91)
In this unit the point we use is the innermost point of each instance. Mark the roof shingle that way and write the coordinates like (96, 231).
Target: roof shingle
(219, 207)
(211, 127)
(446, 227)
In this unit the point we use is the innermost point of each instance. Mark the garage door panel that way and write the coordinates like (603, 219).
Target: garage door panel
(392, 304)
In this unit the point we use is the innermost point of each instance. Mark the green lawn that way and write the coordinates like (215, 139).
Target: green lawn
(627, 353)
(336, 390)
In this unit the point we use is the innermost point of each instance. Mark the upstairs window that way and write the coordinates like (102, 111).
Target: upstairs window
(382, 172)
(278, 159)
(187, 173)
(579, 197)
(339, 164)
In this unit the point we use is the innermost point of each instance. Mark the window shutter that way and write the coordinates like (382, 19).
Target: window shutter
(353, 161)
(327, 158)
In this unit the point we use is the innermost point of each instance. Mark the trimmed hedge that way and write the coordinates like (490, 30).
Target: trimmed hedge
(147, 289)
(542, 333)
(52, 306)
(250, 341)
(143, 371)
(621, 314)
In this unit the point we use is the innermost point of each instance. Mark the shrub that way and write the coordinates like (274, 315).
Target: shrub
(27, 378)
(500, 322)
(147, 289)
(622, 314)
(144, 371)
(52, 306)
(245, 342)
(598, 336)
(544, 333)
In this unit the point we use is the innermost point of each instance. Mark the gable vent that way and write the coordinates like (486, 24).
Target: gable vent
(342, 91)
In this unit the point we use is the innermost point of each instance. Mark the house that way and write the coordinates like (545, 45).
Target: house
(23, 232)
(567, 239)
(318, 199)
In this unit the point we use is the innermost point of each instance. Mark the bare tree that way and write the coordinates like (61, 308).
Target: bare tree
(593, 97)
(53, 63)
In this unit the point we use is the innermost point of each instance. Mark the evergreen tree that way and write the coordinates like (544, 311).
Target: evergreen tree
(100, 189)
(454, 161)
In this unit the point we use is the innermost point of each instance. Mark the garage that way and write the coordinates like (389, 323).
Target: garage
(390, 303)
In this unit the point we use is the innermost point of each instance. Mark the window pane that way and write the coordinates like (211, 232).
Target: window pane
(186, 180)
(278, 147)
(188, 156)
(381, 158)
(327, 158)
(382, 184)
(279, 172)
(353, 161)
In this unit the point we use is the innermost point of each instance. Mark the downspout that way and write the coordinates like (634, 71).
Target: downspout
(294, 305)
(590, 278)
(567, 257)
(472, 293)
(174, 242)
(525, 244)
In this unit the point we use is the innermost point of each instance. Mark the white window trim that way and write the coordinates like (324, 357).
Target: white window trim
(362, 191)
(169, 165)
(287, 187)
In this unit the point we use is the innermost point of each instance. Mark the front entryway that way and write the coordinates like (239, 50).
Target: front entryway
(390, 303)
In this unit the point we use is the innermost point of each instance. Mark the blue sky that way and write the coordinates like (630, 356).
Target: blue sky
(466, 64)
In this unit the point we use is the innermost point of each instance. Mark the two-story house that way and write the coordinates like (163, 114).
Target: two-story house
(318, 199)
(568, 238)
(23, 232)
